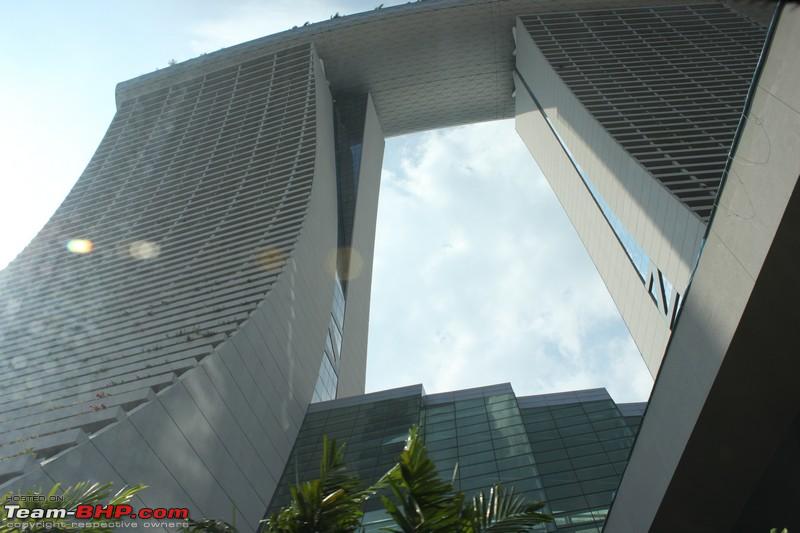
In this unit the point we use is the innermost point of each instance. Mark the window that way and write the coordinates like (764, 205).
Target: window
(477, 470)
(476, 458)
(552, 455)
(568, 504)
(481, 427)
(590, 460)
(520, 472)
(599, 485)
(587, 449)
(546, 445)
(555, 466)
(563, 491)
(512, 451)
(559, 478)
(511, 462)
(543, 435)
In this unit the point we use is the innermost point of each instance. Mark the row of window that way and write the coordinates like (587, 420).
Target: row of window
(463, 405)
(582, 517)
(569, 490)
(567, 422)
(349, 411)
(623, 444)
(349, 414)
(538, 433)
(465, 408)
(485, 450)
(494, 419)
(480, 415)
(592, 479)
(520, 482)
(368, 426)
(364, 422)
(470, 446)
(367, 473)
(390, 443)
(588, 473)
(328, 378)
(585, 439)
(327, 381)
(569, 409)
(618, 456)
(479, 433)
(522, 467)
(582, 450)
(489, 456)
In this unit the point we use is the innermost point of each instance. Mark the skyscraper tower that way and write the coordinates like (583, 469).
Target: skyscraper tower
(219, 295)
(631, 115)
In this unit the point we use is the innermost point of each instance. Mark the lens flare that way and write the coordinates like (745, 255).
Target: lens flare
(80, 246)
(144, 250)
(345, 262)
(271, 259)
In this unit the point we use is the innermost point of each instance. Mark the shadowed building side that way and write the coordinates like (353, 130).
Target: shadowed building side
(367, 151)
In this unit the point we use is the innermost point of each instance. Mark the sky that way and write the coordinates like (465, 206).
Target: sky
(479, 277)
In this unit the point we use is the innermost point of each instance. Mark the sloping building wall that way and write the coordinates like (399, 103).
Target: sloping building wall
(231, 176)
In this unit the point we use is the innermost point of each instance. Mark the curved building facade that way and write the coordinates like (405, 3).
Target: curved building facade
(187, 342)
(208, 276)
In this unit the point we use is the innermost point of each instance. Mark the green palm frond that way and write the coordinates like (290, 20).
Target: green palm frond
(412, 494)
(209, 525)
(420, 500)
(331, 503)
(502, 511)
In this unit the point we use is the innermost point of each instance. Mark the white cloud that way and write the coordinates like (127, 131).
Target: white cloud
(479, 277)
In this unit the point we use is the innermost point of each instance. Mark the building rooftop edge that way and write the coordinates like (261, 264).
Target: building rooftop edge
(534, 400)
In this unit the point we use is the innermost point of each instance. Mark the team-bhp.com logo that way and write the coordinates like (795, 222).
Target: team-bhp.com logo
(98, 512)
(120, 515)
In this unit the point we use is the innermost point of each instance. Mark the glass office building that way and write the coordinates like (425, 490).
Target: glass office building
(567, 449)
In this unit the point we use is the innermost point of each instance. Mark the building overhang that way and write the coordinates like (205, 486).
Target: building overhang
(427, 65)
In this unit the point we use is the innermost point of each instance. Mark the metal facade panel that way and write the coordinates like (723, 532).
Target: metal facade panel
(668, 83)
(193, 203)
